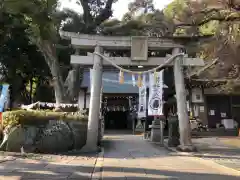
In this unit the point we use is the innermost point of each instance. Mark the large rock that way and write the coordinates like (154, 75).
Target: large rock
(79, 131)
(30, 134)
(52, 137)
(56, 137)
(18, 137)
(15, 139)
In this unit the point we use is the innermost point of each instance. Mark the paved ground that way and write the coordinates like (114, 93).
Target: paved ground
(130, 157)
(13, 167)
(220, 150)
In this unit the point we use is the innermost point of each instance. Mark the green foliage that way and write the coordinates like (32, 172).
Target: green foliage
(38, 15)
(209, 28)
(141, 6)
(19, 117)
(150, 24)
(219, 19)
(43, 21)
(20, 60)
(176, 9)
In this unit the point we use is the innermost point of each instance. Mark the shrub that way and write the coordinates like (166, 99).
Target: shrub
(19, 117)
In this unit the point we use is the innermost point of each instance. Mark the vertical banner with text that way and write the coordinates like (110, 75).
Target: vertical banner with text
(142, 99)
(155, 103)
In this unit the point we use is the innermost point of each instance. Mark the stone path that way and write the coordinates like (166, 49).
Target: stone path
(217, 150)
(47, 167)
(129, 157)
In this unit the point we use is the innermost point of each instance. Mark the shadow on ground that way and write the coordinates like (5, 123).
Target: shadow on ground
(24, 171)
(148, 174)
(48, 167)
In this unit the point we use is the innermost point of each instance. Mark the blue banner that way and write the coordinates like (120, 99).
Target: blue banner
(3, 97)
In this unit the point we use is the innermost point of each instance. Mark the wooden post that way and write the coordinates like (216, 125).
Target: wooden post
(184, 123)
(94, 106)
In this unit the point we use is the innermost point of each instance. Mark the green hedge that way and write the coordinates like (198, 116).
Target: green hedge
(21, 116)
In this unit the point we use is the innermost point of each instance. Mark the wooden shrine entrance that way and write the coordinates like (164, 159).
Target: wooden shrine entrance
(116, 111)
(139, 48)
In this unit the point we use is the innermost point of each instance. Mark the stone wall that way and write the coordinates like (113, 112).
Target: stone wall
(51, 136)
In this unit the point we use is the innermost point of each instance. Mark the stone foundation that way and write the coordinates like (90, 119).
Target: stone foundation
(49, 137)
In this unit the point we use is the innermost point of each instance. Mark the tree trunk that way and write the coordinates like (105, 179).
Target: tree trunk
(64, 92)
(50, 57)
(73, 83)
(31, 91)
(11, 97)
(57, 81)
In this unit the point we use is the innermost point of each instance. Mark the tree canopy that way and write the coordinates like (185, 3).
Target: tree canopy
(43, 21)
(219, 19)
(31, 47)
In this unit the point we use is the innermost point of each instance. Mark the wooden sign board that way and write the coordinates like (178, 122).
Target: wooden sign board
(139, 48)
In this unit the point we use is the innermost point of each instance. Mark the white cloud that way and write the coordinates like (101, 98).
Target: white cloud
(119, 8)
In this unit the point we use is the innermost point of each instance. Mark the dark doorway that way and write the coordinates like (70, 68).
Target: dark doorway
(217, 105)
(116, 120)
(116, 114)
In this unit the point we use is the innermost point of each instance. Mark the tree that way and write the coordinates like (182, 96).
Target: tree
(20, 61)
(140, 7)
(219, 19)
(44, 21)
(152, 23)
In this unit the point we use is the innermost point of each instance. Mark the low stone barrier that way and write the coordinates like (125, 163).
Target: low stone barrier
(45, 136)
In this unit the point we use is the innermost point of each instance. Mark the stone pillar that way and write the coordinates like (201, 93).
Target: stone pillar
(173, 131)
(184, 123)
(94, 106)
(157, 129)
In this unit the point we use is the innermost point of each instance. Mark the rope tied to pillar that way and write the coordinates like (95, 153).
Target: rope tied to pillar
(168, 61)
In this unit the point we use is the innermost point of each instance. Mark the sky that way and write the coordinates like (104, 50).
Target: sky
(119, 8)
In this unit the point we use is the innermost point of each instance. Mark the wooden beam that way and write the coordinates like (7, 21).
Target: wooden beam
(84, 41)
(126, 61)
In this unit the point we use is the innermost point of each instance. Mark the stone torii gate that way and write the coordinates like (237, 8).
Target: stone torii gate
(139, 47)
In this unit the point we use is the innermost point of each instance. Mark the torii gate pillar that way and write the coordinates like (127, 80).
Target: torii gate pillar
(94, 106)
(184, 123)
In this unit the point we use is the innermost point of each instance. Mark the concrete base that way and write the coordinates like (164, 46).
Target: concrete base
(90, 149)
(155, 134)
(173, 141)
(157, 130)
(190, 148)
